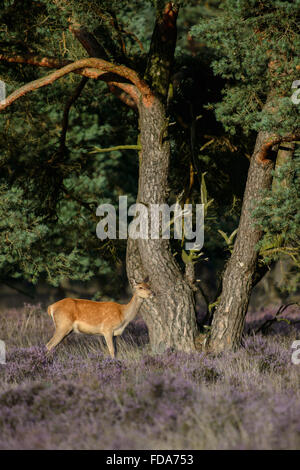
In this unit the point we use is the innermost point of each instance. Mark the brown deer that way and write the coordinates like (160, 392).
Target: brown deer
(97, 318)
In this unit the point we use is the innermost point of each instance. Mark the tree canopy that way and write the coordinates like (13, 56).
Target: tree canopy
(231, 57)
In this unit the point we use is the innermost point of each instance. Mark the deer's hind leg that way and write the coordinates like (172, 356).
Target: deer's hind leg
(63, 326)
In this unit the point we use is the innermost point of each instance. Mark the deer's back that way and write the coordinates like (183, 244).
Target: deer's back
(89, 311)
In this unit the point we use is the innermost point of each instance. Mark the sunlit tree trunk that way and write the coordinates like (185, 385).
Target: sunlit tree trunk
(239, 276)
(170, 316)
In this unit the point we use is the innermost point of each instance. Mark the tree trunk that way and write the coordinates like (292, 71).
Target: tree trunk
(170, 316)
(229, 317)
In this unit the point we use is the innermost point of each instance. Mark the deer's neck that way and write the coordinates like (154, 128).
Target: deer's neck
(131, 309)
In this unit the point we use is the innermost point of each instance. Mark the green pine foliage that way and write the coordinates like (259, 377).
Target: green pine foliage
(278, 216)
(257, 46)
(48, 198)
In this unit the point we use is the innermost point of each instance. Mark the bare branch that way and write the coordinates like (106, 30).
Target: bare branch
(116, 147)
(263, 328)
(49, 62)
(52, 62)
(107, 72)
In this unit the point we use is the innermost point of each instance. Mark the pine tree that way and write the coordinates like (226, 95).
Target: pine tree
(258, 45)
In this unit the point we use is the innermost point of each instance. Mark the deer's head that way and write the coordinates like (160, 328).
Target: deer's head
(142, 289)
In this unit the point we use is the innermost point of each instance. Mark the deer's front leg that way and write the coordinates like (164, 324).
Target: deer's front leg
(110, 344)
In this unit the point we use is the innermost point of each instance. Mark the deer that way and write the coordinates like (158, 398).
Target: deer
(108, 319)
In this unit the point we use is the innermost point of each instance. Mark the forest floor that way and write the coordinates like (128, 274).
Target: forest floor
(80, 398)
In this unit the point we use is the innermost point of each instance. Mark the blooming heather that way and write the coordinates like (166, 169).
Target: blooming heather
(80, 398)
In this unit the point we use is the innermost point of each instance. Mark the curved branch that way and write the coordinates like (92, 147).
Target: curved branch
(52, 62)
(262, 154)
(106, 71)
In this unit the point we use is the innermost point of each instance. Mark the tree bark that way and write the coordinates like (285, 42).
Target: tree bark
(229, 317)
(170, 316)
(162, 48)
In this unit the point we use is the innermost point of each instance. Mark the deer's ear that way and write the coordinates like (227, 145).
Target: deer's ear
(134, 283)
(146, 279)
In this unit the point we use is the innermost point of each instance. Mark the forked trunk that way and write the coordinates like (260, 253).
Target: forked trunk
(229, 317)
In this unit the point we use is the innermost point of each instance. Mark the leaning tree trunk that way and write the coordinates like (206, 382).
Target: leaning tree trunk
(229, 317)
(170, 315)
